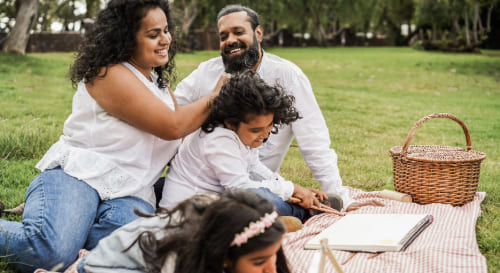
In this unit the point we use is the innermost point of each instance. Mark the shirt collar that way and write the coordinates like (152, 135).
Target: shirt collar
(259, 68)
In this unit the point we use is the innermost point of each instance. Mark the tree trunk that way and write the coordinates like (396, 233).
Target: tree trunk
(19, 35)
(188, 16)
(434, 33)
(475, 25)
(456, 26)
(467, 34)
(321, 35)
(320, 31)
(488, 19)
(334, 26)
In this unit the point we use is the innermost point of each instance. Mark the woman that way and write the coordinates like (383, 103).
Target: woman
(124, 128)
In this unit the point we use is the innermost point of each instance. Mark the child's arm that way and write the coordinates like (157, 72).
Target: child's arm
(231, 163)
(309, 196)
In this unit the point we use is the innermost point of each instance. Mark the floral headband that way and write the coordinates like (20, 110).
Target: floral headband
(255, 228)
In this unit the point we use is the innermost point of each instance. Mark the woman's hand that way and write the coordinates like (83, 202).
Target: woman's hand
(356, 205)
(120, 93)
(222, 80)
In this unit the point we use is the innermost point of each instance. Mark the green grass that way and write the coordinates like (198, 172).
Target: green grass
(370, 98)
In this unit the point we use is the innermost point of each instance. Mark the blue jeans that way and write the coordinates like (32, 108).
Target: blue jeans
(62, 215)
(284, 208)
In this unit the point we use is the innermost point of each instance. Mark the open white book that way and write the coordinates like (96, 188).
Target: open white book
(372, 232)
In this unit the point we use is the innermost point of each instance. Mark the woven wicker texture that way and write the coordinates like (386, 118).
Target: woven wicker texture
(437, 174)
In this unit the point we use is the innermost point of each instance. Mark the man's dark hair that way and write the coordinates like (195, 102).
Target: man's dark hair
(253, 17)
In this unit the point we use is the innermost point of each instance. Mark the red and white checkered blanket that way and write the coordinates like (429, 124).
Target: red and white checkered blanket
(447, 245)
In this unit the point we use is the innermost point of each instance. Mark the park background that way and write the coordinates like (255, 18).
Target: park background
(447, 25)
(376, 67)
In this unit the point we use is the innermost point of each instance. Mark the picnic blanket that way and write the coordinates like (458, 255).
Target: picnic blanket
(447, 245)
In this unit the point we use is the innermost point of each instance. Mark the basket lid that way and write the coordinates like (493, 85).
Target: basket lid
(444, 156)
(396, 150)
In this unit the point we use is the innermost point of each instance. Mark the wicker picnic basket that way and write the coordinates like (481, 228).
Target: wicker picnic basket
(437, 174)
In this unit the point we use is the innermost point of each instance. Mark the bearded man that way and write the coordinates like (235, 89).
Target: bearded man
(241, 36)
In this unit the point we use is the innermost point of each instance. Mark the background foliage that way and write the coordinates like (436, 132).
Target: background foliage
(459, 25)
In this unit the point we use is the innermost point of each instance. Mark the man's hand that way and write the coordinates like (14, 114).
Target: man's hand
(308, 196)
(356, 205)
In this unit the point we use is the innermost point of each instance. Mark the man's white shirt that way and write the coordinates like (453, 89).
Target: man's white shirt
(310, 131)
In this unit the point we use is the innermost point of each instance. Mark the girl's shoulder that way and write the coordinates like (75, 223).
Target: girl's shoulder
(222, 138)
(221, 133)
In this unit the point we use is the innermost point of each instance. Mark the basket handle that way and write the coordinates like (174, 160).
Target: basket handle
(429, 117)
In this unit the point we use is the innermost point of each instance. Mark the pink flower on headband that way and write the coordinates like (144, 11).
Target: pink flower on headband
(255, 228)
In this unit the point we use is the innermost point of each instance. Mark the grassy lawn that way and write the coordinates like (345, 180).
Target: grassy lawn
(370, 98)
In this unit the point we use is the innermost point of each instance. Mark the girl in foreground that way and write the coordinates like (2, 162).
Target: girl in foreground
(238, 232)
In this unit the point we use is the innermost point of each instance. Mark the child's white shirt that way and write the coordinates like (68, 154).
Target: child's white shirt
(217, 161)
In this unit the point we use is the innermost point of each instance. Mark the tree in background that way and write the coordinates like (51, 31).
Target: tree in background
(454, 25)
(435, 20)
(66, 12)
(492, 15)
(392, 14)
(185, 12)
(8, 11)
(459, 25)
(46, 14)
(18, 38)
(321, 18)
(92, 8)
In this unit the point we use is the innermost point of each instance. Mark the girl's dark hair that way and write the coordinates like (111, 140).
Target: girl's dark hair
(113, 38)
(246, 93)
(203, 237)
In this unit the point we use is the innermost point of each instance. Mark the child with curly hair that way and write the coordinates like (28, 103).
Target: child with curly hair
(224, 154)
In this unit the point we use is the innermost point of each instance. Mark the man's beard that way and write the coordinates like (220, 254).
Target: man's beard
(241, 62)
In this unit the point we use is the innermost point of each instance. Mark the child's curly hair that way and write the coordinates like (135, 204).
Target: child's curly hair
(246, 94)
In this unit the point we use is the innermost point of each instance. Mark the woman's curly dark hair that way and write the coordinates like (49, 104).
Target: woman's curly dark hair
(245, 94)
(113, 38)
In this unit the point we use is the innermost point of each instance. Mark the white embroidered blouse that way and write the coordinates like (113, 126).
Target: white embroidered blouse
(113, 157)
